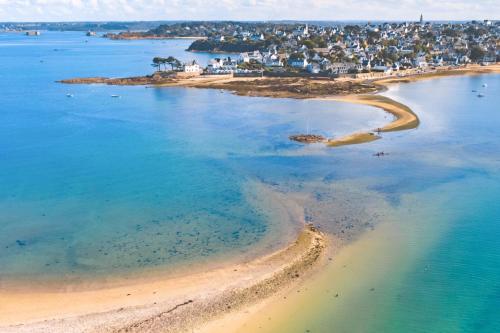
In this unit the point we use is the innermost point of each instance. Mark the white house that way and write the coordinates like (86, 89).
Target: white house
(256, 56)
(244, 58)
(420, 61)
(192, 67)
(273, 60)
(382, 68)
(342, 67)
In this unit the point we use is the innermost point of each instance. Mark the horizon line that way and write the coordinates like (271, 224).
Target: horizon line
(251, 21)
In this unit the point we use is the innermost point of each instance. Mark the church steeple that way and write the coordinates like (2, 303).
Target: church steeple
(421, 18)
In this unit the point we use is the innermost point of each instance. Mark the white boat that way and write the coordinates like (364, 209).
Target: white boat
(70, 95)
(485, 85)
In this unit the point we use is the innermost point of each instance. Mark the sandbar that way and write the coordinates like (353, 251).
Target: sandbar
(170, 305)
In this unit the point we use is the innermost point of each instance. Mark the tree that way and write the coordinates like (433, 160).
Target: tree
(477, 53)
(309, 44)
(297, 55)
(352, 29)
(157, 61)
(172, 62)
(373, 36)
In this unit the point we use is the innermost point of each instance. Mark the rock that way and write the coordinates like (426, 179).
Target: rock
(307, 138)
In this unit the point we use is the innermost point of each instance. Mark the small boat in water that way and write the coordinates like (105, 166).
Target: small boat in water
(70, 95)
(474, 91)
(480, 95)
(485, 85)
(115, 96)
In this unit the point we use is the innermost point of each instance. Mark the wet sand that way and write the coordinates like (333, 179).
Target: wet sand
(405, 118)
(349, 293)
(359, 91)
(170, 305)
(193, 301)
(349, 278)
(166, 303)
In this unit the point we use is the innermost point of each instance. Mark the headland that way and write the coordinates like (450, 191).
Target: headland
(361, 90)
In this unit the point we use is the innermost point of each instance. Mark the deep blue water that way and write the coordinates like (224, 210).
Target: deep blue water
(94, 185)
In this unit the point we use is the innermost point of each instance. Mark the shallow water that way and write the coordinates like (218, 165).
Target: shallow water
(92, 186)
(97, 186)
(434, 265)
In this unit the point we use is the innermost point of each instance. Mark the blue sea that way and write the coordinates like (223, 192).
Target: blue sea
(431, 263)
(164, 179)
(95, 186)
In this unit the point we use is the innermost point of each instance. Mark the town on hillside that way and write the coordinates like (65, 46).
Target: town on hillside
(291, 49)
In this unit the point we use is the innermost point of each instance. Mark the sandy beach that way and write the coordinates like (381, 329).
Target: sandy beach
(359, 91)
(404, 118)
(180, 302)
(334, 281)
(169, 305)
(442, 72)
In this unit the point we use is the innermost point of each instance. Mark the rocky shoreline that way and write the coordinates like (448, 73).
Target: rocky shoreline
(295, 87)
(307, 138)
(262, 87)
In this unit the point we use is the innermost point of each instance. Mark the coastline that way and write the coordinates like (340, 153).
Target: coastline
(359, 91)
(356, 268)
(285, 217)
(132, 37)
(405, 118)
(133, 312)
(169, 305)
(465, 70)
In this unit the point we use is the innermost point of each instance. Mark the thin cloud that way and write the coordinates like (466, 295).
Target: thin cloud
(82, 10)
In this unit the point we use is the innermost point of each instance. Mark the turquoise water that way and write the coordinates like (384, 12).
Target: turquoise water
(453, 179)
(95, 186)
(433, 265)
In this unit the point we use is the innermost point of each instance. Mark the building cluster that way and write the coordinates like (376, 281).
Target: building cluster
(347, 49)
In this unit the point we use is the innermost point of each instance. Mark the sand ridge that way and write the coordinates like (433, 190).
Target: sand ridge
(164, 306)
(352, 90)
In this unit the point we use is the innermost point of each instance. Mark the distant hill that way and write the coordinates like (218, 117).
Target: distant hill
(81, 26)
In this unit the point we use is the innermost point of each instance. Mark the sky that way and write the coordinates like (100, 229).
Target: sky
(128, 10)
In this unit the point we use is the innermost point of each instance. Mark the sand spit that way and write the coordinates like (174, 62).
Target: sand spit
(176, 305)
(360, 91)
(404, 119)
